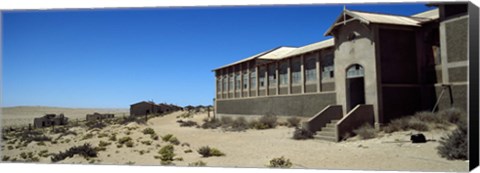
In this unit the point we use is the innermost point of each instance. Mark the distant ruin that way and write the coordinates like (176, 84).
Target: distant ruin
(50, 120)
(146, 108)
(98, 116)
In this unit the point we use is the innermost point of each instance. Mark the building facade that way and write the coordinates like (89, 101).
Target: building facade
(50, 120)
(146, 108)
(398, 65)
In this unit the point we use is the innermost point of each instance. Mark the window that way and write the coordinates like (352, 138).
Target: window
(296, 71)
(219, 84)
(310, 68)
(327, 66)
(224, 80)
(230, 84)
(283, 73)
(238, 81)
(355, 71)
(253, 76)
(245, 80)
(261, 76)
(272, 76)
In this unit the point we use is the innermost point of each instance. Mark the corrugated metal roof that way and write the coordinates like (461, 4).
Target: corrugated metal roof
(244, 60)
(310, 47)
(277, 53)
(366, 17)
(430, 14)
(385, 18)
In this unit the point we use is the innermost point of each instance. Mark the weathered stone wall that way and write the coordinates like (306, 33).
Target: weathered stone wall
(290, 105)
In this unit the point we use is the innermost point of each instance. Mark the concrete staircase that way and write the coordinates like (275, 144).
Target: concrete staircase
(328, 132)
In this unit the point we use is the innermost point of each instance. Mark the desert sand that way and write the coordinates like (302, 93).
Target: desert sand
(252, 148)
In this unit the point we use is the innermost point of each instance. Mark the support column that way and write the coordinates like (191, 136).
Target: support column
(256, 82)
(277, 85)
(248, 76)
(228, 83)
(266, 80)
(241, 80)
(234, 82)
(302, 73)
(317, 68)
(289, 74)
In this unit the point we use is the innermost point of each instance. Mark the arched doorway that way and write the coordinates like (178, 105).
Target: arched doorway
(355, 86)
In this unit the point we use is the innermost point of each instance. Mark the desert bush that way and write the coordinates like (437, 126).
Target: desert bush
(84, 150)
(455, 145)
(198, 163)
(302, 133)
(148, 131)
(104, 144)
(101, 135)
(43, 153)
(264, 122)
(167, 137)
(226, 121)
(5, 158)
(10, 147)
(129, 144)
(188, 123)
(452, 115)
(87, 136)
(95, 125)
(147, 142)
(41, 143)
(280, 162)
(188, 151)
(239, 124)
(166, 154)
(206, 151)
(293, 121)
(113, 137)
(211, 123)
(174, 140)
(124, 140)
(154, 136)
(185, 144)
(429, 117)
(366, 131)
(417, 124)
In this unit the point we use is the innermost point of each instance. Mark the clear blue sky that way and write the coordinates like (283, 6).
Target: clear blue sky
(113, 58)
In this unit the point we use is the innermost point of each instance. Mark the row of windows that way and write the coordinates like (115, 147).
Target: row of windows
(327, 72)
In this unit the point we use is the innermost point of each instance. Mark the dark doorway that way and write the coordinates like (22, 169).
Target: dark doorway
(355, 86)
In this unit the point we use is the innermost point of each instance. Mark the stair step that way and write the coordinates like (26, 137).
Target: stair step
(326, 133)
(334, 121)
(328, 129)
(327, 138)
(330, 125)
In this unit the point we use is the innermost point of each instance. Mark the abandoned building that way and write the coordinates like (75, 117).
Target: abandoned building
(146, 108)
(97, 116)
(50, 120)
(375, 68)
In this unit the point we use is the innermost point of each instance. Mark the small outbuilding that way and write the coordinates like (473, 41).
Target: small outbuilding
(97, 116)
(145, 108)
(50, 120)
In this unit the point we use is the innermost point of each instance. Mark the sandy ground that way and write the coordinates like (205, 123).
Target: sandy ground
(23, 115)
(255, 148)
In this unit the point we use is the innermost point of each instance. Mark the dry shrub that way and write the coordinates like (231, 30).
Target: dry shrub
(280, 162)
(188, 123)
(211, 123)
(198, 163)
(85, 150)
(206, 151)
(452, 115)
(239, 124)
(302, 133)
(148, 131)
(166, 154)
(226, 121)
(455, 145)
(264, 122)
(293, 121)
(366, 131)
